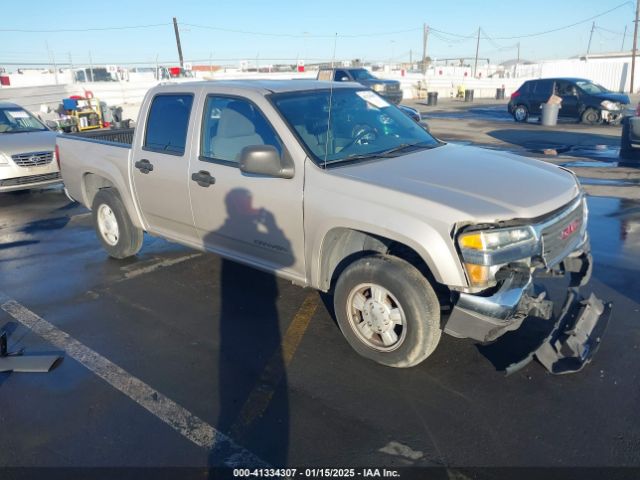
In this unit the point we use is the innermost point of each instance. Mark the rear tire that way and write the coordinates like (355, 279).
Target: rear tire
(591, 116)
(521, 113)
(117, 234)
(387, 311)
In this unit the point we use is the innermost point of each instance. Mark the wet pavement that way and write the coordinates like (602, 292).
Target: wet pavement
(208, 335)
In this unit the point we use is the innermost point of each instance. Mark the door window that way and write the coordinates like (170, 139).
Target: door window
(340, 76)
(168, 123)
(229, 125)
(564, 88)
(543, 87)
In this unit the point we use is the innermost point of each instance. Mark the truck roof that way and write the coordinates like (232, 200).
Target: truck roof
(273, 86)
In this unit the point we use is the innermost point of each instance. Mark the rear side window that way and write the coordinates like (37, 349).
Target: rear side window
(544, 87)
(168, 123)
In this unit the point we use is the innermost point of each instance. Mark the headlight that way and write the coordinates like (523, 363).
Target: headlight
(4, 159)
(484, 251)
(608, 105)
(378, 87)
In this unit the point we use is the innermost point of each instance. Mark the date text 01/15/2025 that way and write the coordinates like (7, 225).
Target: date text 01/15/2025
(314, 473)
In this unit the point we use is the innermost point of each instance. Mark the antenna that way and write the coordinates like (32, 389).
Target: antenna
(333, 59)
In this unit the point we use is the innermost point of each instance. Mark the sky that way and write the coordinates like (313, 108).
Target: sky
(281, 31)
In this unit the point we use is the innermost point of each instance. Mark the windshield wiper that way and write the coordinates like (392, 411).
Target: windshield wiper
(389, 153)
(400, 148)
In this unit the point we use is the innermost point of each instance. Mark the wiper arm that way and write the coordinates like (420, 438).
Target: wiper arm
(386, 153)
(400, 148)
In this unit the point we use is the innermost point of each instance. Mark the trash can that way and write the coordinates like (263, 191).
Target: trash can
(432, 98)
(550, 114)
(468, 95)
(500, 93)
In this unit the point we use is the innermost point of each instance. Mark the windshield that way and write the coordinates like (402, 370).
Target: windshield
(17, 120)
(591, 88)
(361, 125)
(362, 74)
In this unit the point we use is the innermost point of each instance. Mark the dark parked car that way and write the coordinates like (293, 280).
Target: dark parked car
(388, 89)
(630, 140)
(581, 99)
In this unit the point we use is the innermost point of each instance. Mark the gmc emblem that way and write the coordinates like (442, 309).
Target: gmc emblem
(569, 229)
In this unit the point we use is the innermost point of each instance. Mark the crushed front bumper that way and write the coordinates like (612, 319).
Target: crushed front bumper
(577, 329)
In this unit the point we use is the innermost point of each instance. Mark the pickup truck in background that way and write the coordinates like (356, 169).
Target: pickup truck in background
(388, 89)
(330, 186)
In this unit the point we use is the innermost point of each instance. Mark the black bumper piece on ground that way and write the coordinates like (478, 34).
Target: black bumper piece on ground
(575, 337)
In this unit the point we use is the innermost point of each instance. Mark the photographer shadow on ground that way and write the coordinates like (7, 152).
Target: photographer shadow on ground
(252, 383)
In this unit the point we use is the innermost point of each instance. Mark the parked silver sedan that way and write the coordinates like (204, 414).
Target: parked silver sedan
(27, 150)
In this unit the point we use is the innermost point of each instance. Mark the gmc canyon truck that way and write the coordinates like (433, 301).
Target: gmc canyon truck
(328, 185)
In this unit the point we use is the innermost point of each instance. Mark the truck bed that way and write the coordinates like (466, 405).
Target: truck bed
(123, 136)
(97, 159)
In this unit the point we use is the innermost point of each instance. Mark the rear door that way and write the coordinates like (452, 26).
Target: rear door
(540, 91)
(160, 166)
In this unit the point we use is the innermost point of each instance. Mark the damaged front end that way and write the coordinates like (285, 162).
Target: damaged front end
(561, 248)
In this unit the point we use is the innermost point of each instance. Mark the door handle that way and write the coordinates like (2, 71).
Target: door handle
(203, 178)
(145, 166)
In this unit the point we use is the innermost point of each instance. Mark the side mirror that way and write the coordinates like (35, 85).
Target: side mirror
(264, 160)
(345, 79)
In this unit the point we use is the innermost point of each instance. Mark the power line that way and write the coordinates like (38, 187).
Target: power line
(301, 35)
(586, 20)
(94, 29)
(537, 34)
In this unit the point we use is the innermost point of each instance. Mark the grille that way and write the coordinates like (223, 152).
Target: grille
(34, 159)
(563, 235)
(29, 179)
(393, 87)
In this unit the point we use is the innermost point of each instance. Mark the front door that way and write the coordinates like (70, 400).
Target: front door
(252, 218)
(160, 164)
(569, 94)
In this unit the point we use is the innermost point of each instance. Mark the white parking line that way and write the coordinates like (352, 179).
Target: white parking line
(177, 417)
(138, 270)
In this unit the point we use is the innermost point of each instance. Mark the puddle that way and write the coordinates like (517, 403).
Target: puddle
(614, 227)
(603, 153)
(589, 163)
(497, 113)
(609, 182)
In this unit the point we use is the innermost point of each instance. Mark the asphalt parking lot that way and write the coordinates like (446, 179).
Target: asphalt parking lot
(179, 358)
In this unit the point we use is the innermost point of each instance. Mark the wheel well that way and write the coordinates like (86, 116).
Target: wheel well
(343, 246)
(93, 183)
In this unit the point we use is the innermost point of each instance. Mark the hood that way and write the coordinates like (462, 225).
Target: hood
(461, 183)
(27, 142)
(614, 97)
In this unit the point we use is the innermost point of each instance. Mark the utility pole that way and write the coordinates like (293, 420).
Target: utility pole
(425, 40)
(71, 68)
(91, 66)
(175, 28)
(624, 36)
(635, 45)
(475, 65)
(593, 27)
(410, 57)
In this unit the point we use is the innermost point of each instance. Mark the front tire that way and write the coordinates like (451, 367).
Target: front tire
(117, 234)
(520, 113)
(591, 116)
(387, 311)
